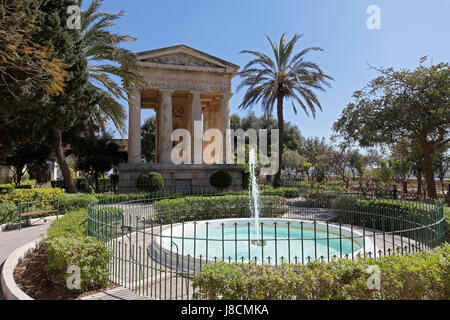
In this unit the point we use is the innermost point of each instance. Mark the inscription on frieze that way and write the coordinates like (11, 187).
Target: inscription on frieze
(189, 87)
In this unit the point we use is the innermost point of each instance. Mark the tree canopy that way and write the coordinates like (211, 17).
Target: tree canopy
(410, 105)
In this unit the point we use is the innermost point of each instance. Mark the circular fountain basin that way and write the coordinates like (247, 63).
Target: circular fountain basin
(273, 240)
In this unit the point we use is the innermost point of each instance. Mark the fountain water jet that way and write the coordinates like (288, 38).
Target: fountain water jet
(254, 195)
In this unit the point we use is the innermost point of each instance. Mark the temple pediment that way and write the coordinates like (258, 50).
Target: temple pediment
(184, 57)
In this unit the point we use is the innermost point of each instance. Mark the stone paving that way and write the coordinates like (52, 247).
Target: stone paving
(12, 239)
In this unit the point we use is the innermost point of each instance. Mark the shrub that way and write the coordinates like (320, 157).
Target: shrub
(25, 185)
(71, 202)
(67, 244)
(419, 276)
(150, 182)
(87, 253)
(8, 212)
(215, 207)
(39, 194)
(285, 192)
(6, 188)
(221, 179)
(72, 224)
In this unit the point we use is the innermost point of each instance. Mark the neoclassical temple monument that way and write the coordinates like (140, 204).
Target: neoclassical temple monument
(183, 85)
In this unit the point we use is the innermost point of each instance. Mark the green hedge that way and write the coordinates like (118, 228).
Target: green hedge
(39, 194)
(67, 244)
(6, 188)
(71, 202)
(72, 224)
(89, 254)
(8, 212)
(215, 207)
(419, 276)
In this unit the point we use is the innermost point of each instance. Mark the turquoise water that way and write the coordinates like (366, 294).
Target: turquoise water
(233, 244)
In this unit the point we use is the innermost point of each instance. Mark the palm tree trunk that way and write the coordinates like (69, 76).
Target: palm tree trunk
(277, 180)
(58, 149)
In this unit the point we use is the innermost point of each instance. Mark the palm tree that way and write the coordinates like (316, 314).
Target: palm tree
(289, 77)
(107, 63)
(107, 59)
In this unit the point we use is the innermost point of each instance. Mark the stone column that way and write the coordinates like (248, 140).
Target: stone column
(196, 115)
(225, 122)
(165, 122)
(134, 126)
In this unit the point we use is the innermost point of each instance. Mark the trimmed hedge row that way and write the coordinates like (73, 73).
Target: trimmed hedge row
(22, 195)
(418, 276)
(72, 202)
(68, 244)
(215, 207)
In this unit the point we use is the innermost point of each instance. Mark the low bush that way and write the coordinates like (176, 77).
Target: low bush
(285, 192)
(418, 276)
(67, 244)
(71, 202)
(8, 212)
(38, 194)
(25, 185)
(221, 179)
(88, 254)
(72, 224)
(215, 207)
(150, 182)
(6, 188)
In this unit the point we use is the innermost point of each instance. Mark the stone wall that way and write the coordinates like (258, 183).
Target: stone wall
(177, 177)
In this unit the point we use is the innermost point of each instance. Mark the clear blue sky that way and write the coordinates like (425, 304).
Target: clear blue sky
(410, 29)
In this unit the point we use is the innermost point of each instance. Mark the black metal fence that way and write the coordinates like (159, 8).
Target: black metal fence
(160, 241)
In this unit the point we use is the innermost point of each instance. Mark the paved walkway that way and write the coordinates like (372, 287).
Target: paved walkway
(12, 239)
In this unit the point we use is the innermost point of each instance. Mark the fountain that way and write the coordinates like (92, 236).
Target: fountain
(255, 238)
(254, 196)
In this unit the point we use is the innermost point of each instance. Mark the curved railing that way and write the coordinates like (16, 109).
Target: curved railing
(160, 241)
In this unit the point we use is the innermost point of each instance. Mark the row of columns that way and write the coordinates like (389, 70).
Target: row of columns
(165, 123)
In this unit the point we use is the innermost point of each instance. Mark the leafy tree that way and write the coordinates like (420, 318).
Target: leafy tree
(23, 155)
(95, 156)
(235, 122)
(403, 156)
(385, 173)
(441, 164)
(148, 136)
(402, 171)
(340, 163)
(288, 77)
(292, 161)
(355, 161)
(25, 64)
(91, 91)
(402, 104)
(305, 169)
(317, 152)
